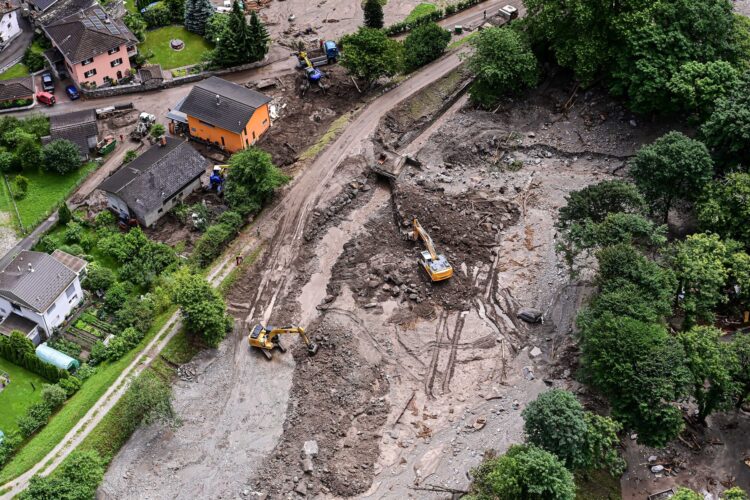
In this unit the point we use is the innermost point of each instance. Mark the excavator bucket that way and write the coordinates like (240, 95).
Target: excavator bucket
(312, 349)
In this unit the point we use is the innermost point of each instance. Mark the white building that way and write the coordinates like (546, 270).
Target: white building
(38, 291)
(9, 27)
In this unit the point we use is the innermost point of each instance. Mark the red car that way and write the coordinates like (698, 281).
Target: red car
(45, 98)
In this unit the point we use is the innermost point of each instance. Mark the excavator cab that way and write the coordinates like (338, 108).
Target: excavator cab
(435, 264)
(266, 338)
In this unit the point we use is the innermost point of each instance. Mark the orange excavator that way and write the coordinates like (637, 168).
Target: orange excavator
(435, 264)
(266, 338)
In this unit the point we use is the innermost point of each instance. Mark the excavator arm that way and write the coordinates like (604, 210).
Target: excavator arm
(435, 264)
(426, 239)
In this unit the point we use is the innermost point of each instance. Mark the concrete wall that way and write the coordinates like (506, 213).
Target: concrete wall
(117, 204)
(154, 216)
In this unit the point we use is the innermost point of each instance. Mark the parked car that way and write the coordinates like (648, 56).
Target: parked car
(48, 83)
(72, 92)
(45, 98)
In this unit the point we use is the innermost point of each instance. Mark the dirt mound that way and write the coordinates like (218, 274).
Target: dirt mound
(341, 406)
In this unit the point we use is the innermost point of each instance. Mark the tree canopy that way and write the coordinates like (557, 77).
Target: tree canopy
(197, 14)
(672, 168)
(424, 44)
(369, 54)
(252, 180)
(503, 64)
(373, 14)
(524, 472)
(724, 207)
(726, 131)
(202, 307)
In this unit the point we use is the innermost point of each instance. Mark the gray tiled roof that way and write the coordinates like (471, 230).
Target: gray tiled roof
(61, 9)
(76, 127)
(75, 264)
(232, 109)
(88, 33)
(155, 176)
(43, 4)
(16, 88)
(35, 280)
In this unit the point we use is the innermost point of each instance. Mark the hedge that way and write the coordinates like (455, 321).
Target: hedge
(31, 362)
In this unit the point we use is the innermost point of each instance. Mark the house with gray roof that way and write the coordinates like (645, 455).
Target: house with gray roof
(38, 291)
(79, 127)
(149, 186)
(16, 89)
(223, 114)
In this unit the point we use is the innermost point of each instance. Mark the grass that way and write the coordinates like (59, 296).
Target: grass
(75, 408)
(16, 71)
(130, 6)
(46, 192)
(157, 43)
(337, 126)
(457, 43)
(420, 10)
(18, 395)
(181, 348)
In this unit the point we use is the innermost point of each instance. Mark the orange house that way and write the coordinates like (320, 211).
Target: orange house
(224, 114)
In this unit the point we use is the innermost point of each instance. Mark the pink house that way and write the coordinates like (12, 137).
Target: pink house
(96, 48)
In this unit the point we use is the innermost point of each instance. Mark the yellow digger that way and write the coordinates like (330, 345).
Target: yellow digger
(266, 338)
(436, 265)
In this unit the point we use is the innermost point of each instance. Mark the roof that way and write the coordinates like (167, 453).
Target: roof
(8, 6)
(43, 4)
(75, 264)
(16, 323)
(151, 72)
(76, 127)
(16, 88)
(162, 171)
(35, 279)
(223, 104)
(61, 9)
(88, 33)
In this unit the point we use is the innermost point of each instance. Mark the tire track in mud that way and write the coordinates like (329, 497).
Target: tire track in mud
(450, 368)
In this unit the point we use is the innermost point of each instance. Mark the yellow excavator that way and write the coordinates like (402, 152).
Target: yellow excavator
(436, 265)
(266, 338)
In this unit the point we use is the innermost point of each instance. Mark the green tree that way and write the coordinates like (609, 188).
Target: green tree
(6, 161)
(136, 25)
(724, 207)
(252, 180)
(524, 472)
(672, 168)
(202, 308)
(236, 46)
(20, 187)
(686, 494)
(215, 27)
(557, 422)
(740, 347)
(177, 9)
(697, 86)
(699, 263)
(373, 14)
(726, 131)
(259, 38)
(593, 203)
(157, 130)
(641, 369)
(369, 54)
(149, 400)
(712, 364)
(424, 44)
(735, 493)
(503, 64)
(76, 479)
(61, 156)
(26, 149)
(64, 215)
(197, 14)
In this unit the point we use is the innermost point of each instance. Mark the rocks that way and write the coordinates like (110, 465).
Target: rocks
(530, 315)
(528, 373)
(310, 448)
(652, 459)
(535, 352)
(301, 489)
(307, 465)
(656, 469)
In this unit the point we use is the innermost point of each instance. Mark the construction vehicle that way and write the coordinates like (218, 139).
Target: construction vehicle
(145, 122)
(436, 265)
(328, 53)
(313, 76)
(266, 338)
(106, 145)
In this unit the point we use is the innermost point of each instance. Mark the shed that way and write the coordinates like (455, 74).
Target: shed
(55, 357)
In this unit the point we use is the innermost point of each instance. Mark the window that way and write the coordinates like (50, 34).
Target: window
(265, 120)
(116, 62)
(222, 141)
(113, 51)
(192, 129)
(87, 61)
(16, 307)
(70, 290)
(89, 73)
(253, 135)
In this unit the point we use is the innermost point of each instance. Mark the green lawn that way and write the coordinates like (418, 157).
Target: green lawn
(420, 10)
(18, 395)
(46, 192)
(75, 408)
(157, 42)
(16, 71)
(130, 6)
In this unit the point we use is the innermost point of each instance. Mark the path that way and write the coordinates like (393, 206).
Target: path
(14, 52)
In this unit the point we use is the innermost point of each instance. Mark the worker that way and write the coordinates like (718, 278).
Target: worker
(238, 260)
(122, 138)
(485, 14)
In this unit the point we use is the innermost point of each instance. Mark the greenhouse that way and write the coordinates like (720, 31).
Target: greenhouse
(57, 358)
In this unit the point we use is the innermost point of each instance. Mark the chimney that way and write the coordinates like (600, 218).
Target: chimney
(218, 99)
(30, 267)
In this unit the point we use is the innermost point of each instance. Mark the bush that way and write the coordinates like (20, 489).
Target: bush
(53, 396)
(157, 16)
(98, 278)
(61, 156)
(130, 156)
(36, 416)
(20, 351)
(33, 60)
(77, 478)
(73, 233)
(20, 187)
(104, 219)
(85, 372)
(70, 384)
(136, 312)
(116, 296)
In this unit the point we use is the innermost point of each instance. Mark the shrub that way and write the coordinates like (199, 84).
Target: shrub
(104, 219)
(53, 396)
(157, 16)
(20, 187)
(98, 278)
(70, 384)
(73, 232)
(61, 156)
(36, 416)
(116, 296)
(425, 44)
(33, 60)
(130, 156)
